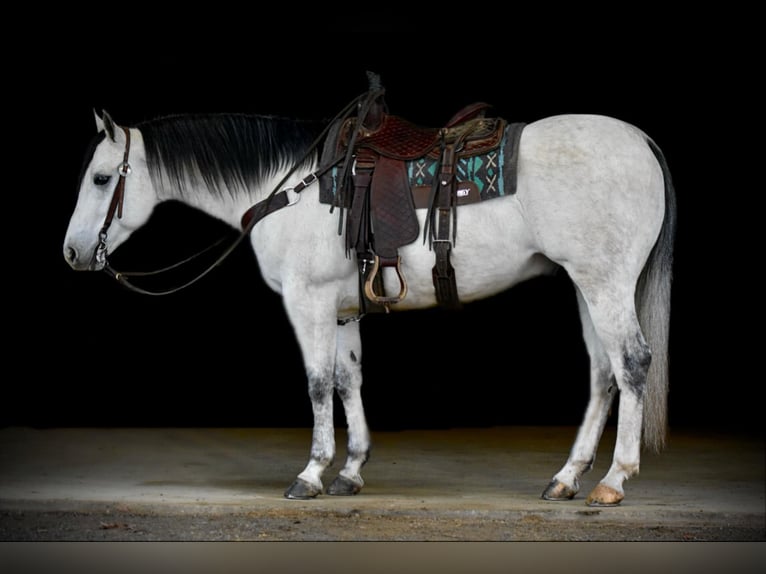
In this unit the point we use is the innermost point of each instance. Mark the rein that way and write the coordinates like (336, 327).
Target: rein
(277, 199)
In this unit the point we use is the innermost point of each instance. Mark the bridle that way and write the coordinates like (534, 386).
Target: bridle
(276, 200)
(115, 205)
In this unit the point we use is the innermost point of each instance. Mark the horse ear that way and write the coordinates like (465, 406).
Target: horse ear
(99, 121)
(106, 123)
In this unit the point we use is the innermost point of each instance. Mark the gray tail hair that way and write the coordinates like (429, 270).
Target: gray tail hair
(653, 305)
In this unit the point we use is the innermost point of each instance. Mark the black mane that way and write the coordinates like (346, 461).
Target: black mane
(233, 152)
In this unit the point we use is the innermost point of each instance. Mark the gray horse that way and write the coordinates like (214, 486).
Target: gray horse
(593, 196)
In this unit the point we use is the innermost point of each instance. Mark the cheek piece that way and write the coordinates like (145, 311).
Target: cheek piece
(115, 206)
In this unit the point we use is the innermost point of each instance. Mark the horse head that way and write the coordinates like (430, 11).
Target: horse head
(116, 195)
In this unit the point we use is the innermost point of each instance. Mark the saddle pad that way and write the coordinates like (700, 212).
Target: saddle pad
(488, 175)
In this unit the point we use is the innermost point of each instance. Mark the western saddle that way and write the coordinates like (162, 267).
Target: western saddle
(370, 182)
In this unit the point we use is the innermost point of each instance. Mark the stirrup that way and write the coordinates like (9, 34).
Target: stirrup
(381, 299)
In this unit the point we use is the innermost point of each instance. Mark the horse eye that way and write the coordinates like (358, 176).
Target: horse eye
(100, 179)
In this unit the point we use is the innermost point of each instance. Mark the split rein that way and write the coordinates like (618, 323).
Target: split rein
(276, 200)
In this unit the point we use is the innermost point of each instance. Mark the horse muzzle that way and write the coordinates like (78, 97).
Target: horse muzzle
(83, 260)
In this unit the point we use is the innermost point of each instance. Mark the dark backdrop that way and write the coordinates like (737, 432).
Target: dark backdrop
(83, 351)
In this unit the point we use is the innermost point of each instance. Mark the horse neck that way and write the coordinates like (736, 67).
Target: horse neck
(207, 187)
(228, 205)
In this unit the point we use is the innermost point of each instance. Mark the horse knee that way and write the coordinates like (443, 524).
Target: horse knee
(344, 385)
(320, 387)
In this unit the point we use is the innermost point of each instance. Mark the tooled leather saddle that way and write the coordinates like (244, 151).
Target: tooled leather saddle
(390, 167)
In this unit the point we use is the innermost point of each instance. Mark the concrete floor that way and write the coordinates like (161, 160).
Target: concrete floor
(463, 484)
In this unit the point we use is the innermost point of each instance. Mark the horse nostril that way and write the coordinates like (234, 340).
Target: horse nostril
(70, 254)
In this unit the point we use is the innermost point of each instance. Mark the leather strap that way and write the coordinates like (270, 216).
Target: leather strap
(274, 202)
(118, 196)
(115, 205)
(443, 274)
(358, 224)
(261, 209)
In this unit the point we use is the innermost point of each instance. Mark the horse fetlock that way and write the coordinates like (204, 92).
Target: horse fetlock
(628, 470)
(358, 456)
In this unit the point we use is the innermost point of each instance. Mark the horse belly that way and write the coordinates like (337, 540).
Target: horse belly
(493, 252)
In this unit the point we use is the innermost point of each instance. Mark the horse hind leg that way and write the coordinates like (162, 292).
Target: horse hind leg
(566, 483)
(612, 311)
(633, 365)
(348, 383)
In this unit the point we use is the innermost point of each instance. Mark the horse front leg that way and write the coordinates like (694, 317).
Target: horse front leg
(315, 330)
(348, 383)
(309, 482)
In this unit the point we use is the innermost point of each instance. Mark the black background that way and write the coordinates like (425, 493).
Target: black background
(81, 350)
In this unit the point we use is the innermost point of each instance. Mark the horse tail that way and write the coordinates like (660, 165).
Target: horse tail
(653, 306)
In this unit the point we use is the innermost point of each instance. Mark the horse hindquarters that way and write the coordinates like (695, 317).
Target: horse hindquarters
(610, 207)
(643, 398)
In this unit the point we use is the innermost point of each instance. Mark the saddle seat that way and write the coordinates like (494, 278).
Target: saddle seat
(399, 139)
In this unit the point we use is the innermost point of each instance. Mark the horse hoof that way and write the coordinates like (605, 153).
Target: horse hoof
(604, 495)
(343, 486)
(302, 490)
(558, 491)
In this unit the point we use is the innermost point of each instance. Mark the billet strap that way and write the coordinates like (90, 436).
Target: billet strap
(443, 273)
